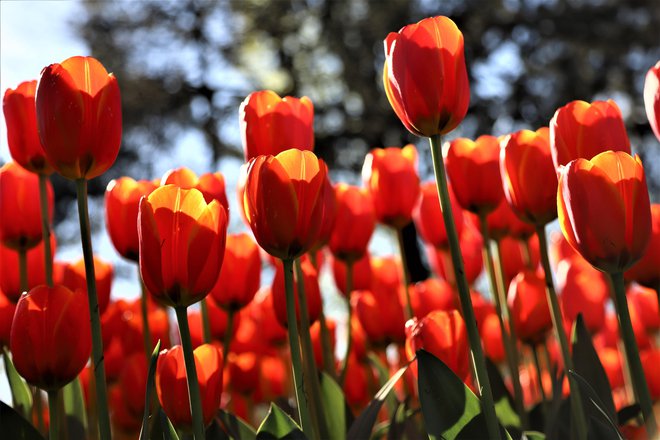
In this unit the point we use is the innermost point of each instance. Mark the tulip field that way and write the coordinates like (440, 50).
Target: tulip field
(561, 339)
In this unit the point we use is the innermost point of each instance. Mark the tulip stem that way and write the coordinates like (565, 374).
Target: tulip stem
(539, 375)
(557, 323)
(54, 420)
(349, 327)
(97, 341)
(36, 399)
(504, 317)
(22, 269)
(328, 355)
(206, 324)
(45, 228)
(191, 373)
(144, 303)
(294, 345)
(226, 340)
(478, 360)
(406, 273)
(640, 386)
(308, 357)
(526, 254)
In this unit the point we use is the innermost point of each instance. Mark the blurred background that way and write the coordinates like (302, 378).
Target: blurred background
(185, 66)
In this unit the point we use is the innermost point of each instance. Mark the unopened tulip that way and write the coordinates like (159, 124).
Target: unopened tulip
(503, 222)
(10, 283)
(243, 369)
(361, 274)
(211, 185)
(491, 337)
(75, 279)
(182, 244)
(646, 301)
(513, 260)
(133, 383)
(356, 386)
(380, 314)
(583, 130)
(22, 135)
(652, 98)
(583, 290)
(262, 311)
(79, 117)
(604, 209)
(50, 339)
(428, 216)
(390, 175)
(354, 223)
(650, 362)
(432, 294)
(240, 274)
(529, 307)
(471, 249)
(425, 76)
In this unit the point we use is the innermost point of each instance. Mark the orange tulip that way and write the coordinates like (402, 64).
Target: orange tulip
(531, 190)
(471, 248)
(22, 135)
(10, 283)
(647, 270)
(50, 339)
(425, 76)
(270, 124)
(604, 209)
(74, 278)
(354, 224)
(503, 222)
(432, 294)
(211, 185)
(240, 274)
(583, 290)
(529, 307)
(122, 201)
(652, 98)
(20, 213)
(262, 312)
(583, 130)
(79, 117)
(172, 386)
(611, 360)
(312, 292)
(182, 244)
(428, 216)
(361, 274)
(390, 175)
(473, 169)
(284, 201)
(328, 218)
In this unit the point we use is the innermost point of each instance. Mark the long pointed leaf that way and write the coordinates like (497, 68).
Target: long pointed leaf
(20, 393)
(14, 426)
(334, 407)
(144, 432)
(74, 409)
(279, 424)
(601, 426)
(235, 427)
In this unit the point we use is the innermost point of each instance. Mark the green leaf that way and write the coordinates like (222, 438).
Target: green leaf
(383, 377)
(601, 426)
(278, 425)
(364, 424)
(334, 407)
(20, 393)
(587, 364)
(144, 431)
(168, 431)
(14, 426)
(74, 409)
(502, 398)
(533, 435)
(235, 427)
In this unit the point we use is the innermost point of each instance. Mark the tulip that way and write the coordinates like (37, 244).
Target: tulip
(427, 216)
(652, 98)
(491, 335)
(240, 274)
(7, 309)
(530, 190)
(354, 223)
(50, 338)
(219, 324)
(182, 243)
(270, 124)
(583, 290)
(74, 278)
(328, 218)
(79, 117)
(650, 361)
(171, 384)
(390, 175)
(284, 201)
(425, 76)
(243, 372)
(361, 274)
(317, 341)
(582, 130)
(312, 292)
(10, 283)
(604, 209)
(611, 360)
(471, 245)
(647, 270)
(20, 215)
(262, 311)
(133, 384)
(211, 185)
(646, 301)
(22, 135)
(358, 377)
(273, 379)
(122, 201)
(513, 258)
(529, 307)
(432, 294)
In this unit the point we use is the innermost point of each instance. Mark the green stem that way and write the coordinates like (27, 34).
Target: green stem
(632, 354)
(22, 269)
(191, 374)
(144, 310)
(560, 334)
(309, 363)
(499, 295)
(206, 324)
(478, 360)
(406, 273)
(328, 355)
(226, 340)
(294, 344)
(97, 341)
(349, 328)
(548, 363)
(45, 228)
(539, 374)
(526, 253)
(36, 398)
(54, 420)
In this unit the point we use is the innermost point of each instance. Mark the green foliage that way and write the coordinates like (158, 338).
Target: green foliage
(279, 425)
(20, 392)
(334, 407)
(153, 361)
(14, 426)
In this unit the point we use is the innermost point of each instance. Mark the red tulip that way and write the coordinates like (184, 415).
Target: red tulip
(428, 216)
(390, 175)
(604, 209)
(317, 344)
(7, 309)
(611, 360)
(172, 386)
(482, 307)
(583, 130)
(471, 248)
(50, 338)
(328, 218)
(243, 372)
(473, 167)
(491, 337)
(273, 379)
(361, 274)
(240, 274)
(432, 294)
(354, 223)
(262, 312)
(79, 117)
(646, 301)
(583, 290)
(512, 256)
(122, 201)
(531, 190)
(652, 98)
(211, 185)
(182, 244)
(133, 383)
(647, 270)
(650, 361)
(20, 212)
(312, 293)
(425, 77)
(125, 423)
(356, 385)
(503, 222)
(529, 307)
(22, 135)
(270, 124)
(218, 320)
(10, 283)
(380, 315)
(284, 201)
(75, 279)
